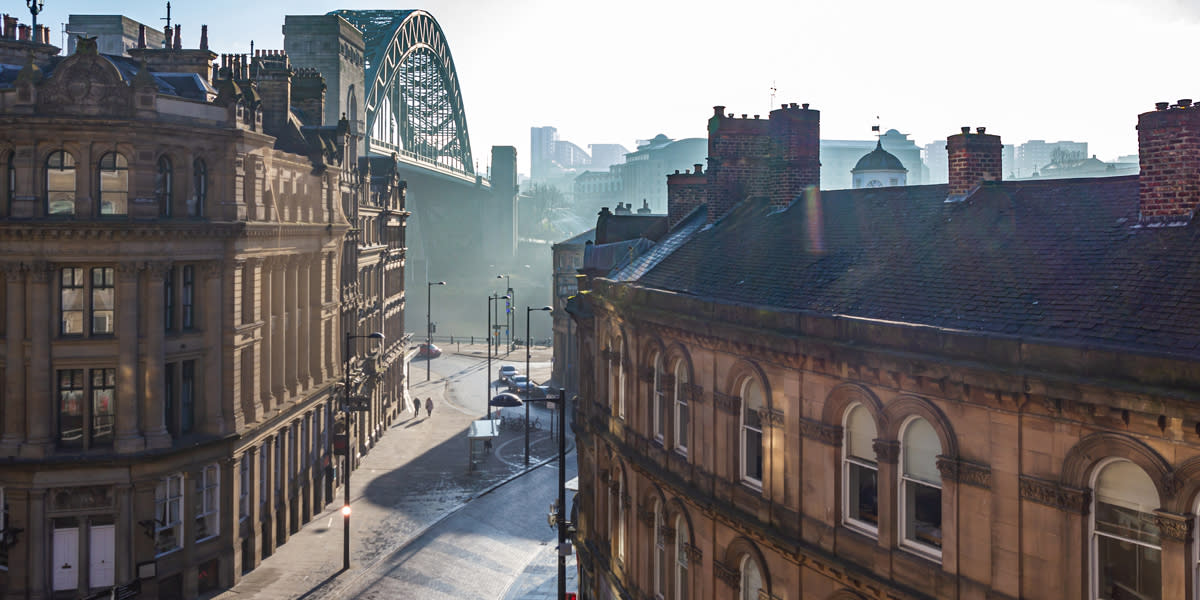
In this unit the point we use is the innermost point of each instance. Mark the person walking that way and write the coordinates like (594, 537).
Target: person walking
(429, 406)
(416, 407)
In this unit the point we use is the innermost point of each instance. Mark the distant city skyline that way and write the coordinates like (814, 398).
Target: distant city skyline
(623, 71)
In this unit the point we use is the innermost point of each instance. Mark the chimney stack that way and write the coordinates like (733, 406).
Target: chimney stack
(204, 37)
(973, 159)
(1169, 153)
(141, 36)
(273, 72)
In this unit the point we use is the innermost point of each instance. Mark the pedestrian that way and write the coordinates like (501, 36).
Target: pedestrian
(416, 407)
(429, 406)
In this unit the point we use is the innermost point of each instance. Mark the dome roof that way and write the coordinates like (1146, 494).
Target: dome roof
(879, 160)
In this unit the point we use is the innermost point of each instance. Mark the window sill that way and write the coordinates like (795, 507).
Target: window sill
(207, 539)
(861, 528)
(168, 552)
(922, 551)
(750, 484)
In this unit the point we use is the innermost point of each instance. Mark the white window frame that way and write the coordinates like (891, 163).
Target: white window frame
(682, 431)
(918, 548)
(3, 520)
(660, 550)
(621, 382)
(681, 560)
(1094, 533)
(847, 461)
(743, 593)
(743, 427)
(162, 512)
(209, 478)
(621, 517)
(658, 407)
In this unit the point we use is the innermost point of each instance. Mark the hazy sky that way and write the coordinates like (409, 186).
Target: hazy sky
(619, 71)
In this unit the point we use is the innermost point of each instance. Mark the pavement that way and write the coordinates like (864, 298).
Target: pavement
(409, 488)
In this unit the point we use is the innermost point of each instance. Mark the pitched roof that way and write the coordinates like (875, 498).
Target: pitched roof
(1058, 260)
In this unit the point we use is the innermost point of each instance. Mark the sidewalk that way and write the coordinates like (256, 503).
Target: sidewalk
(414, 475)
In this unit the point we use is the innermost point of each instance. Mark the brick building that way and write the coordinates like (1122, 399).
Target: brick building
(981, 389)
(172, 236)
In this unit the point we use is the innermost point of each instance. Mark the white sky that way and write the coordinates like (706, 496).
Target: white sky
(623, 70)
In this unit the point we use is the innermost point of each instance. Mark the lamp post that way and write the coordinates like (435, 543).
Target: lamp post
(486, 406)
(528, 381)
(508, 308)
(349, 447)
(35, 8)
(429, 324)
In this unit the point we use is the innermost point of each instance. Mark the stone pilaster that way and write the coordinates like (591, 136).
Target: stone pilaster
(291, 311)
(262, 363)
(278, 324)
(153, 406)
(214, 371)
(39, 413)
(315, 291)
(129, 438)
(304, 309)
(14, 360)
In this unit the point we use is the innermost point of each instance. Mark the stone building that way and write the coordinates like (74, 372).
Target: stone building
(172, 241)
(983, 389)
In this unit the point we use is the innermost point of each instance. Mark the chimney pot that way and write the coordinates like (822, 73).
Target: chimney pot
(730, 115)
(804, 106)
(743, 115)
(141, 36)
(966, 130)
(718, 111)
(699, 168)
(1185, 102)
(755, 116)
(676, 171)
(178, 36)
(981, 130)
(1162, 105)
(783, 106)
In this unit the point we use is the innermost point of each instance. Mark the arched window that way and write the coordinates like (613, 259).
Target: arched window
(660, 404)
(682, 538)
(660, 550)
(751, 578)
(621, 378)
(860, 473)
(10, 182)
(621, 516)
(751, 428)
(164, 183)
(920, 488)
(60, 184)
(1126, 549)
(113, 175)
(681, 407)
(195, 204)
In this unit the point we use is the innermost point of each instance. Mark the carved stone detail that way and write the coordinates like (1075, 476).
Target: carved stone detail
(830, 435)
(668, 534)
(887, 451)
(730, 575)
(13, 271)
(40, 271)
(1175, 527)
(771, 418)
(727, 403)
(1052, 494)
(646, 516)
(693, 553)
(645, 374)
(694, 393)
(965, 472)
(128, 272)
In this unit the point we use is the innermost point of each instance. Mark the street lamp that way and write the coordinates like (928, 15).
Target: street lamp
(349, 446)
(429, 324)
(528, 381)
(35, 7)
(487, 407)
(509, 309)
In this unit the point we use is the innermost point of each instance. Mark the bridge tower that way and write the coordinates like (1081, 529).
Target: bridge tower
(334, 47)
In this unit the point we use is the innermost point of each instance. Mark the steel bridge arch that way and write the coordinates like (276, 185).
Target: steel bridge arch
(413, 104)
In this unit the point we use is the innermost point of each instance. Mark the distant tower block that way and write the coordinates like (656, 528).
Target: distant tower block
(334, 47)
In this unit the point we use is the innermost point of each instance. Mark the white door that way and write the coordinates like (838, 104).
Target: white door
(103, 548)
(66, 555)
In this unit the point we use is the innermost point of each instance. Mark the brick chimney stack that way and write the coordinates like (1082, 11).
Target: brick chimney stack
(973, 159)
(685, 191)
(308, 95)
(273, 72)
(795, 152)
(1169, 153)
(738, 152)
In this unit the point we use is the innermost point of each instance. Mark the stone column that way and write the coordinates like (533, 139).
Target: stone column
(153, 403)
(128, 438)
(291, 310)
(214, 355)
(39, 413)
(125, 528)
(251, 458)
(303, 314)
(278, 324)
(36, 530)
(263, 355)
(14, 361)
(887, 452)
(315, 290)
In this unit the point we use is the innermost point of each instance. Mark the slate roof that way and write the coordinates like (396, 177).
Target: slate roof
(1058, 260)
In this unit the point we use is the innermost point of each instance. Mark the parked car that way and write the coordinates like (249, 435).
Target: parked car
(428, 350)
(506, 372)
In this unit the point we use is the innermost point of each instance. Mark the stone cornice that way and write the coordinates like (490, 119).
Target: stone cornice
(1175, 527)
